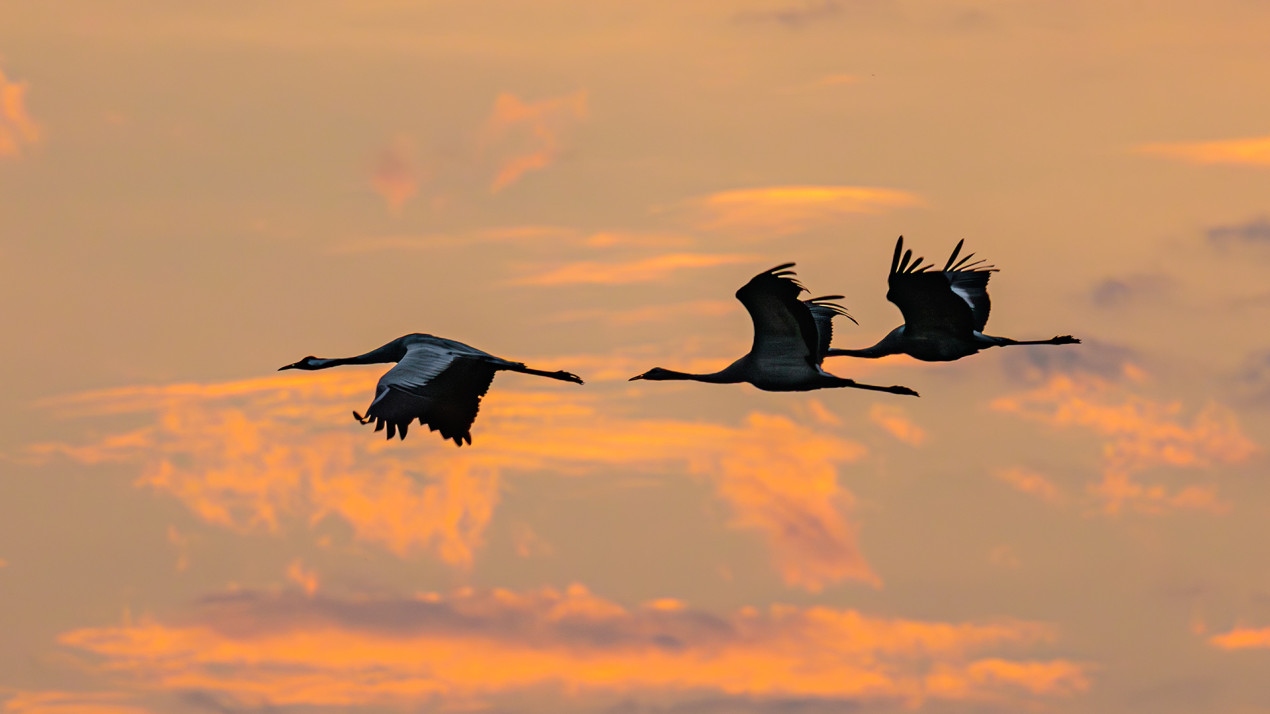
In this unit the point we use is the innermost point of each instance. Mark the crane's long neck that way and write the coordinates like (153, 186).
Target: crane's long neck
(391, 352)
(891, 344)
(878, 350)
(720, 377)
(727, 375)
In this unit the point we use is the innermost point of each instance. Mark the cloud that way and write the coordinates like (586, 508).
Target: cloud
(17, 129)
(1252, 232)
(1250, 385)
(1253, 151)
(1128, 290)
(1242, 638)
(644, 270)
(784, 210)
(55, 702)
(1105, 360)
(649, 313)
(394, 175)
(272, 453)
(798, 15)
(567, 648)
(896, 422)
(1032, 483)
(305, 578)
(526, 136)
(1139, 434)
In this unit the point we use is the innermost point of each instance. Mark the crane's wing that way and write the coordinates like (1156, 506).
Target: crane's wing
(822, 313)
(783, 324)
(440, 383)
(954, 299)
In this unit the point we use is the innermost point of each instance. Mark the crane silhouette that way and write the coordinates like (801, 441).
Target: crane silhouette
(791, 337)
(944, 311)
(438, 381)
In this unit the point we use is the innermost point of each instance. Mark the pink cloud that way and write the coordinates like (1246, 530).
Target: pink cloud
(568, 649)
(17, 129)
(527, 136)
(1140, 434)
(271, 453)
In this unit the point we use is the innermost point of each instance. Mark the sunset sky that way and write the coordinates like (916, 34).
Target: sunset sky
(193, 194)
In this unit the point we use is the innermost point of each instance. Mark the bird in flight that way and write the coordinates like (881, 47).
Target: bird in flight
(440, 382)
(791, 337)
(944, 311)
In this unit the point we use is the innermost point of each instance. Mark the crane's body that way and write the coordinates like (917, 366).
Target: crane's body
(436, 380)
(945, 311)
(791, 337)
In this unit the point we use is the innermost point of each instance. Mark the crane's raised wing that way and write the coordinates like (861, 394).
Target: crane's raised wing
(822, 313)
(954, 299)
(440, 383)
(783, 325)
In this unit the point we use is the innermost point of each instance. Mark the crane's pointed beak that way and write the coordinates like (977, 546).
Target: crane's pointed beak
(290, 366)
(638, 376)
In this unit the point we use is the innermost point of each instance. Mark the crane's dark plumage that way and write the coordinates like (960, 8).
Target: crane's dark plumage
(944, 311)
(440, 382)
(791, 337)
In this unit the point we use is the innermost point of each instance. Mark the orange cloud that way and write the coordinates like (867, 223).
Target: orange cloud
(639, 271)
(650, 313)
(268, 453)
(52, 702)
(527, 134)
(305, 578)
(1031, 483)
(569, 647)
(1140, 434)
(782, 210)
(394, 175)
(507, 234)
(1242, 638)
(895, 421)
(16, 126)
(1254, 151)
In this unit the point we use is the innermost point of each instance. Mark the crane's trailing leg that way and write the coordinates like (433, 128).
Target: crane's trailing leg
(895, 389)
(560, 375)
(1006, 341)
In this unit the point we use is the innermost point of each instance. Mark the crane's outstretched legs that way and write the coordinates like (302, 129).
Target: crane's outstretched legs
(993, 341)
(560, 375)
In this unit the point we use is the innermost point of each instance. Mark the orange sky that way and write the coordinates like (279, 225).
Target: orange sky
(197, 193)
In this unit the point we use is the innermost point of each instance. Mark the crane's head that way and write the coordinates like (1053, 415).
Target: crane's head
(309, 362)
(656, 374)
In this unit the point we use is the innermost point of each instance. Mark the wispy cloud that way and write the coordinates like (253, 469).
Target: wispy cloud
(896, 422)
(1031, 483)
(796, 15)
(394, 174)
(1105, 360)
(305, 578)
(642, 270)
(571, 649)
(56, 702)
(1139, 434)
(1242, 638)
(650, 313)
(782, 210)
(1130, 290)
(272, 453)
(526, 136)
(1253, 151)
(17, 129)
(1252, 232)
(427, 242)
